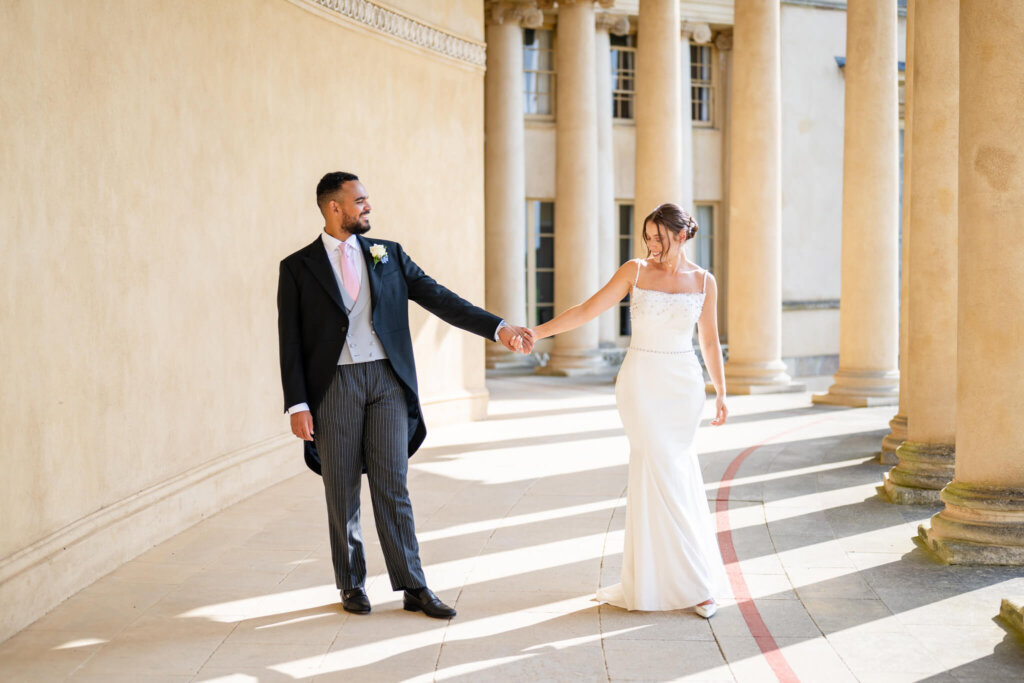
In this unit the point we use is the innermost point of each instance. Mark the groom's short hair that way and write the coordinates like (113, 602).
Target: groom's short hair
(330, 184)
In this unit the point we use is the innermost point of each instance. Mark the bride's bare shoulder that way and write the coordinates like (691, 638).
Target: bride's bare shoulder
(628, 268)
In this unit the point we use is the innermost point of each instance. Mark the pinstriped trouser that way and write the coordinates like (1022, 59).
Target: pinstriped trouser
(362, 421)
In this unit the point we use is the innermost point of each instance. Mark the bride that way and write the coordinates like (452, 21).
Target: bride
(671, 558)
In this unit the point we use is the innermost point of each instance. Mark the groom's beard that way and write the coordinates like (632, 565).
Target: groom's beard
(356, 227)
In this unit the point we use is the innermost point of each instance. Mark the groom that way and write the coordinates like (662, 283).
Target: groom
(350, 381)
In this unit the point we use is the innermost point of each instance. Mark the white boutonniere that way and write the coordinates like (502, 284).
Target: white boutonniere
(379, 253)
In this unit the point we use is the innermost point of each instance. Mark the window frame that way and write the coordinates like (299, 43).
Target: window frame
(708, 85)
(627, 237)
(533, 233)
(552, 73)
(620, 95)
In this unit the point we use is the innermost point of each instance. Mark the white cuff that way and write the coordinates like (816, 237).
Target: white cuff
(498, 329)
(298, 408)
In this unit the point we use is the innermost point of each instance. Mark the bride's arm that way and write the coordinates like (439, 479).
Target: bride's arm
(609, 295)
(711, 346)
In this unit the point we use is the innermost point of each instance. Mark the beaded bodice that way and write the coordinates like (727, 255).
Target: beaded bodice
(662, 322)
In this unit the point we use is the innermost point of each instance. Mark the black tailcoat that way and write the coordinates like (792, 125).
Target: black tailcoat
(313, 322)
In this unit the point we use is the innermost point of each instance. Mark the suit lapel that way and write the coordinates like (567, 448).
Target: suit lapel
(318, 262)
(372, 277)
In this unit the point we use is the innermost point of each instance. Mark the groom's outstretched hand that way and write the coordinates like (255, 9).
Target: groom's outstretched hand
(516, 339)
(302, 425)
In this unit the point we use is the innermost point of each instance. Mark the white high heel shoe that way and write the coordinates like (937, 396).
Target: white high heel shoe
(706, 611)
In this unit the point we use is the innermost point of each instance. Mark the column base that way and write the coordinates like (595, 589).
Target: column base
(892, 440)
(862, 389)
(980, 525)
(769, 377)
(501, 358)
(574, 364)
(1013, 616)
(923, 470)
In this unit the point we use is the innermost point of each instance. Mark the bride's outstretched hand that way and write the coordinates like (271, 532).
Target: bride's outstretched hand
(721, 412)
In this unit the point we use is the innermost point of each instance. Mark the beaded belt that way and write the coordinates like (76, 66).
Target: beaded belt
(637, 348)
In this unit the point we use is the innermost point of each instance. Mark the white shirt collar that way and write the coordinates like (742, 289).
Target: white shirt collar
(332, 243)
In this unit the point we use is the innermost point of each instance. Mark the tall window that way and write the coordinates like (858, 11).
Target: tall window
(625, 253)
(700, 85)
(623, 55)
(705, 253)
(538, 71)
(540, 261)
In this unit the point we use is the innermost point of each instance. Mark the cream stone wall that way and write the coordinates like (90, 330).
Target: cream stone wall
(624, 140)
(159, 160)
(462, 17)
(812, 151)
(539, 141)
(708, 174)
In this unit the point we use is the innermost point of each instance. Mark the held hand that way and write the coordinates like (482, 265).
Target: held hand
(721, 412)
(302, 425)
(526, 338)
(515, 339)
(510, 339)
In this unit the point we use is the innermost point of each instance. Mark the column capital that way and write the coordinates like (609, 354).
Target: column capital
(698, 31)
(526, 14)
(724, 42)
(613, 23)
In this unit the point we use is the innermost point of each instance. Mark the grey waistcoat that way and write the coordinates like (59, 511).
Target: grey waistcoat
(361, 343)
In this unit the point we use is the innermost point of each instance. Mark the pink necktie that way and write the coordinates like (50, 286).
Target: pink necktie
(349, 275)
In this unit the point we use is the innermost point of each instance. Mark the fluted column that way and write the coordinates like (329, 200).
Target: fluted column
(504, 174)
(755, 203)
(926, 457)
(576, 195)
(607, 228)
(869, 296)
(724, 44)
(898, 424)
(699, 33)
(983, 521)
(658, 115)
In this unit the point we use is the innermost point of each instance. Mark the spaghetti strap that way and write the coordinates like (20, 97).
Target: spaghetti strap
(704, 286)
(637, 278)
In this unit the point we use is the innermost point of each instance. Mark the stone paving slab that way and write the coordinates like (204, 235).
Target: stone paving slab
(520, 519)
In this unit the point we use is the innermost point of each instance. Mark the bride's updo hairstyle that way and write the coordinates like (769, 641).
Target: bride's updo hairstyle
(672, 218)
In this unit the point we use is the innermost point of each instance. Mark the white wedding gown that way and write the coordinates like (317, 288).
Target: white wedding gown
(671, 558)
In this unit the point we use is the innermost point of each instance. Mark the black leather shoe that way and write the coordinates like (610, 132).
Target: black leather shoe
(354, 600)
(424, 600)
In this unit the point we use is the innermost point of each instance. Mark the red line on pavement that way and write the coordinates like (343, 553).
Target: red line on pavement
(762, 636)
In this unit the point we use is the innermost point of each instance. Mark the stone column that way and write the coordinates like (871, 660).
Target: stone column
(755, 203)
(576, 197)
(898, 424)
(929, 385)
(983, 521)
(504, 174)
(607, 224)
(724, 44)
(700, 34)
(869, 296)
(658, 115)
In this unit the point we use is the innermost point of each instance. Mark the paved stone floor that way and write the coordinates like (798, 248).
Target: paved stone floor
(520, 519)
